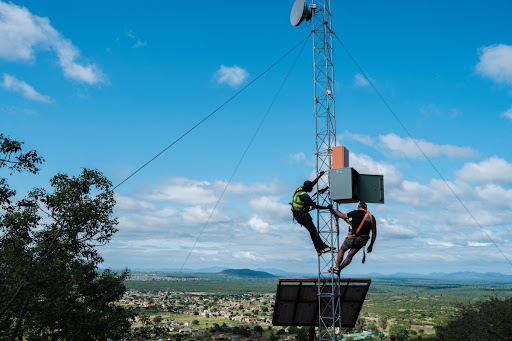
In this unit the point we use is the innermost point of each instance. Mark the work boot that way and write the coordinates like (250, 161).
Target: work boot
(335, 271)
(324, 249)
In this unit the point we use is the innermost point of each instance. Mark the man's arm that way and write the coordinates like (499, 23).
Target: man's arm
(339, 214)
(318, 207)
(306, 199)
(317, 178)
(374, 236)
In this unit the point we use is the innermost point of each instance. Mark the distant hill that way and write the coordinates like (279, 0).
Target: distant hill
(273, 273)
(454, 276)
(246, 273)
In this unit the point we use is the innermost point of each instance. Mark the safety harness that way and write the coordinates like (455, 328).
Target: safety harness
(356, 234)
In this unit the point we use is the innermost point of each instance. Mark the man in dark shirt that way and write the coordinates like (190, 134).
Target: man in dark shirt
(301, 205)
(359, 232)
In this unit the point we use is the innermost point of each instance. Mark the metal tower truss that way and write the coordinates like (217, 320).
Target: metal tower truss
(329, 309)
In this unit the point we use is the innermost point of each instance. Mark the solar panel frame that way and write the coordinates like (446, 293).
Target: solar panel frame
(296, 301)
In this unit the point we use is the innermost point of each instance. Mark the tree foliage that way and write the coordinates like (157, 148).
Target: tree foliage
(485, 320)
(383, 322)
(50, 286)
(400, 332)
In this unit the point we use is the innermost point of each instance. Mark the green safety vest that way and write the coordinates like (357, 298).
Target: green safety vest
(297, 204)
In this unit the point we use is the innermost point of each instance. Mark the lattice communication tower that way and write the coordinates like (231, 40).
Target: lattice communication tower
(325, 126)
(319, 12)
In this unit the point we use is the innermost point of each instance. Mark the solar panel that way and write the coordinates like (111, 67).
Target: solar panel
(297, 301)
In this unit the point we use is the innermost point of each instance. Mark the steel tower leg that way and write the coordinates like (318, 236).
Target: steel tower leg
(328, 305)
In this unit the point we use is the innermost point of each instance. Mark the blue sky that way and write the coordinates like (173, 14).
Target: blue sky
(109, 85)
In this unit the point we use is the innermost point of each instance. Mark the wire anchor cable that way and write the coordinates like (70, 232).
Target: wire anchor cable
(244, 153)
(211, 114)
(419, 148)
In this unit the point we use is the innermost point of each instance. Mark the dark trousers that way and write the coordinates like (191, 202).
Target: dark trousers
(305, 220)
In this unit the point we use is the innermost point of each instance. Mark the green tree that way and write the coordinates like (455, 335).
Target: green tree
(50, 286)
(360, 324)
(293, 330)
(383, 322)
(401, 332)
(258, 329)
(302, 334)
(485, 320)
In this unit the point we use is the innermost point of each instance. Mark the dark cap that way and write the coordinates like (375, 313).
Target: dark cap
(308, 185)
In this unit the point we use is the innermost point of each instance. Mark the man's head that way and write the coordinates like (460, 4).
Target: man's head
(362, 205)
(308, 186)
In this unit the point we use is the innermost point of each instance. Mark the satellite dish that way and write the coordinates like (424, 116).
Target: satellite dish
(299, 12)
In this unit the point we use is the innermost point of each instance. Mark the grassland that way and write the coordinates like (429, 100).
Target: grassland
(419, 304)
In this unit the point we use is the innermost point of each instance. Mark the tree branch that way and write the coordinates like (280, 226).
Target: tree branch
(4, 160)
(20, 319)
(4, 309)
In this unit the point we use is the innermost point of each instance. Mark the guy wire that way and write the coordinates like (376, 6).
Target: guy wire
(419, 148)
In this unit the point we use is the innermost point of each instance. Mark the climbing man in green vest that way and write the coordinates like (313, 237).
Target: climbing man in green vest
(301, 205)
(358, 234)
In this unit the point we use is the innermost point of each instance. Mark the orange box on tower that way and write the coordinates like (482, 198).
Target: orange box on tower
(339, 157)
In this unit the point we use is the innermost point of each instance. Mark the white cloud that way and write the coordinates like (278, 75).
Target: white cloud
(137, 41)
(22, 33)
(479, 244)
(182, 191)
(198, 215)
(231, 75)
(393, 229)
(258, 225)
(364, 139)
(126, 203)
(166, 212)
(491, 170)
(250, 189)
(254, 229)
(13, 84)
(496, 63)
(301, 157)
(366, 165)
(473, 236)
(185, 191)
(271, 208)
(360, 81)
(406, 147)
(507, 114)
(142, 224)
(497, 197)
(249, 255)
(440, 244)
(298, 157)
